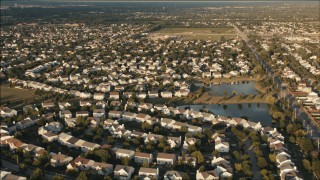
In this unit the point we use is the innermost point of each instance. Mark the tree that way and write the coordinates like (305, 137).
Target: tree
(306, 164)
(201, 168)
(22, 167)
(156, 129)
(145, 164)
(292, 139)
(43, 160)
(272, 157)
(37, 174)
(270, 99)
(262, 162)
(306, 145)
(184, 129)
(83, 175)
(290, 129)
(264, 172)
(57, 177)
(125, 161)
(236, 154)
(101, 155)
(199, 156)
(222, 38)
(146, 126)
(238, 166)
(316, 167)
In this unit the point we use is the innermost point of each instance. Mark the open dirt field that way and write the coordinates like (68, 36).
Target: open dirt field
(206, 98)
(195, 33)
(15, 95)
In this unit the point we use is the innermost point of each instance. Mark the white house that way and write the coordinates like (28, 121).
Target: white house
(98, 113)
(122, 172)
(221, 146)
(98, 96)
(7, 112)
(166, 94)
(60, 160)
(54, 126)
(122, 153)
(114, 95)
(148, 173)
(141, 157)
(175, 175)
(65, 114)
(166, 158)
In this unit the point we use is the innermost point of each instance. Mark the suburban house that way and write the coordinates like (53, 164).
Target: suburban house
(148, 173)
(221, 145)
(5, 175)
(114, 95)
(81, 163)
(176, 175)
(166, 94)
(165, 158)
(7, 112)
(187, 159)
(207, 175)
(190, 142)
(82, 114)
(70, 122)
(65, 114)
(64, 105)
(122, 153)
(153, 94)
(102, 168)
(152, 137)
(129, 116)
(98, 113)
(60, 160)
(141, 117)
(142, 95)
(48, 104)
(122, 172)
(14, 143)
(177, 125)
(194, 129)
(182, 93)
(208, 117)
(53, 126)
(27, 122)
(98, 96)
(174, 142)
(115, 114)
(141, 157)
(85, 103)
(49, 136)
(167, 123)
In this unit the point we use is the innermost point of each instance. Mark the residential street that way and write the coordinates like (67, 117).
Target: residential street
(255, 169)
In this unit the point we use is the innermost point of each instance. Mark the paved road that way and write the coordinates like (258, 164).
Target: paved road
(254, 163)
(308, 123)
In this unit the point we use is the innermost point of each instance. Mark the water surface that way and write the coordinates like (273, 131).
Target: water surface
(255, 112)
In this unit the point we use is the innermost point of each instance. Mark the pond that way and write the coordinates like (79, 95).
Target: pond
(255, 112)
(246, 88)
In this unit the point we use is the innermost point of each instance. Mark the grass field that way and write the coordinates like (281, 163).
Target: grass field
(195, 33)
(14, 96)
